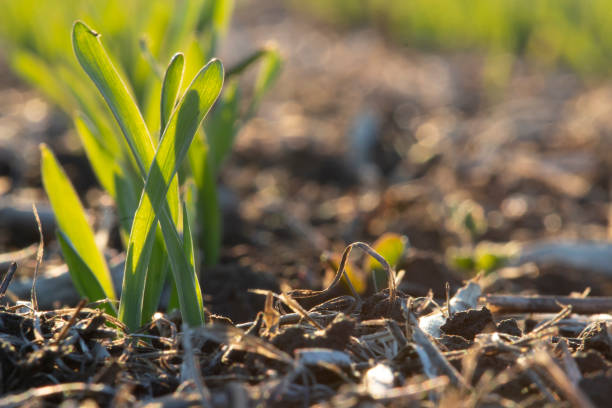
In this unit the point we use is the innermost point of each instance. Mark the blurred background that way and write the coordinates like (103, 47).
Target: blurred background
(479, 130)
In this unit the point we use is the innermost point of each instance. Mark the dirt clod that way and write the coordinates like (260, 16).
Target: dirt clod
(335, 336)
(596, 337)
(597, 388)
(468, 324)
(509, 326)
(591, 361)
(453, 343)
(378, 306)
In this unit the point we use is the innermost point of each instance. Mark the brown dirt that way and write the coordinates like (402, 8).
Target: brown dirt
(532, 156)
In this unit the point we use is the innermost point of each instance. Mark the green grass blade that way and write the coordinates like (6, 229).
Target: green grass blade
(83, 278)
(171, 87)
(222, 13)
(267, 75)
(173, 302)
(115, 180)
(127, 202)
(211, 216)
(189, 199)
(188, 250)
(207, 206)
(222, 125)
(71, 219)
(94, 109)
(156, 277)
(246, 62)
(177, 137)
(102, 161)
(183, 23)
(36, 71)
(188, 238)
(96, 63)
(187, 284)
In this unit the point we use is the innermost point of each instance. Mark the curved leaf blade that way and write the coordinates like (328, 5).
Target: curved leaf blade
(178, 135)
(267, 75)
(222, 124)
(71, 220)
(82, 276)
(170, 87)
(98, 66)
(101, 160)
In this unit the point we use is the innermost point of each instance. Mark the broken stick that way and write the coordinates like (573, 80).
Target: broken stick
(547, 304)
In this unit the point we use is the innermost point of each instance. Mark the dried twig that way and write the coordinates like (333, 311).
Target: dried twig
(571, 367)
(447, 298)
(431, 356)
(190, 369)
(341, 273)
(19, 400)
(39, 256)
(535, 378)
(17, 215)
(289, 301)
(270, 314)
(239, 340)
(547, 304)
(7, 258)
(561, 380)
(465, 298)
(397, 333)
(563, 313)
(7, 278)
(70, 323)
(289, 318)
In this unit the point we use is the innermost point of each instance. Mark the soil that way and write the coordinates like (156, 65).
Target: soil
(359, 137)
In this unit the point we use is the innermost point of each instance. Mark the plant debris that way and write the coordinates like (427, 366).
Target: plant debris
(82, 354)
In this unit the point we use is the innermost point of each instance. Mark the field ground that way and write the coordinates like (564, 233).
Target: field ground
(360, 137)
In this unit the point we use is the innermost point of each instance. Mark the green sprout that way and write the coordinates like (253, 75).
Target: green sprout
(484, 257)
(141, 36)
(159, 200)
(145, 170)
(466, 218)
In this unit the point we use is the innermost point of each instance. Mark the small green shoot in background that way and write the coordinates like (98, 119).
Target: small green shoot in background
(393, 248)
(466, 218)
(484, 257)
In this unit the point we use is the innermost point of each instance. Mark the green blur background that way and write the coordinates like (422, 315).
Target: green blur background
(571, 34)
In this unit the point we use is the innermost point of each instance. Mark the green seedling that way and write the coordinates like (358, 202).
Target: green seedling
(141, 36)
(158, 199)
(136, 130)
(484, 257)
(86, 264)
(393, 248)
(466, 218)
